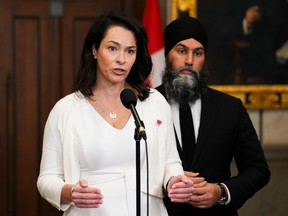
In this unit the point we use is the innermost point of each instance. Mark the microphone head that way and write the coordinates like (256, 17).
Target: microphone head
(128, 97)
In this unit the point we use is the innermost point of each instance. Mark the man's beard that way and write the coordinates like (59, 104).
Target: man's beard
(183, 88)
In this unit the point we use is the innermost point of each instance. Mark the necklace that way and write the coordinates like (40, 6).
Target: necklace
(112, 114)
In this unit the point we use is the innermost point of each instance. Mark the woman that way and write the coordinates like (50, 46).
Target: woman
(88, 159)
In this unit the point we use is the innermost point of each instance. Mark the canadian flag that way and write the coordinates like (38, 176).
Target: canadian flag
(153, 25)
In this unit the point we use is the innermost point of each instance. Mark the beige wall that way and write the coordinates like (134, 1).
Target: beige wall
(271, 126)
(272, 199)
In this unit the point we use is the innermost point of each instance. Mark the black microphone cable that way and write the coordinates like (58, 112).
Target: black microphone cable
(147, 176)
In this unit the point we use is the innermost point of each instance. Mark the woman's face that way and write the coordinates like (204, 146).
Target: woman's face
(116, 55)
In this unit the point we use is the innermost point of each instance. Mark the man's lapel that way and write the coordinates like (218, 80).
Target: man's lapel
(209, 112)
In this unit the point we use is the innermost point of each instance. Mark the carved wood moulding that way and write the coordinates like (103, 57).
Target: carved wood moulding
(258, 96)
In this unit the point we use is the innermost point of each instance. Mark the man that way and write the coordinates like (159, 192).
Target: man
(222, 127)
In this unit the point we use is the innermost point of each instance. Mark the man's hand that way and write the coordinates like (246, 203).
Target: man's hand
(197, 181)
(206, 196)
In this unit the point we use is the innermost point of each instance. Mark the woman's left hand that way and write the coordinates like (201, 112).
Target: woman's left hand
(180, 189)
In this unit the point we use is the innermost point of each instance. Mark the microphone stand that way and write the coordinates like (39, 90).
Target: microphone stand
(137, 137)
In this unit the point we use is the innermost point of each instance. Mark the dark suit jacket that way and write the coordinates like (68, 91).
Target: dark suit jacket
(225, 132)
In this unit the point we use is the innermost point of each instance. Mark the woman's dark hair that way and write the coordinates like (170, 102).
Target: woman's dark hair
(86, 76)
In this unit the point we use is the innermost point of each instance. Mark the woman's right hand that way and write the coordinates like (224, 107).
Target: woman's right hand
(84, 196)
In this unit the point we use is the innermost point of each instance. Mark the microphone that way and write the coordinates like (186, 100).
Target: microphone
(129, 100)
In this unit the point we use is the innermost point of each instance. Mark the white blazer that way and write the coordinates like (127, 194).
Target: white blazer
(59, 164)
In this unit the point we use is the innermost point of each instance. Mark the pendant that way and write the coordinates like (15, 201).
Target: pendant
(112, 115)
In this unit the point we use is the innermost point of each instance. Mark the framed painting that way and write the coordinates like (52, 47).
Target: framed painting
(244, 64)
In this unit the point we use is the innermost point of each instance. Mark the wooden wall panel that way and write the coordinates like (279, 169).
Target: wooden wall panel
(40, 54)
(5, 109)
(77, 12)
(80, 27)
(26, 112)
(49, 66)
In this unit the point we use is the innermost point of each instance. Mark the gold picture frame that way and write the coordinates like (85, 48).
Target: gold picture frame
(258, 96)
(253, 96)
(188, 6)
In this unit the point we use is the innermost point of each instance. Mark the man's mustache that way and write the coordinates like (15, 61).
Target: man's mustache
(188, 68)
(194, 73)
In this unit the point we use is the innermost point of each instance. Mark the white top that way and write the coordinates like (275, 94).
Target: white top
(79, 144)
